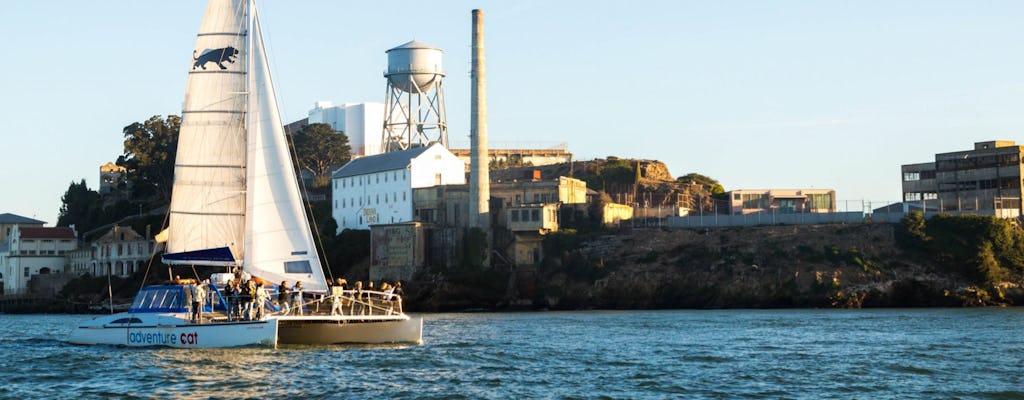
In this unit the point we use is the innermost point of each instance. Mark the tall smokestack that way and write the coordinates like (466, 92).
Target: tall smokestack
(479, 180)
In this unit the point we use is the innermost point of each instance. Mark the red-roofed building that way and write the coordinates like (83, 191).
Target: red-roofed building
(34, 250)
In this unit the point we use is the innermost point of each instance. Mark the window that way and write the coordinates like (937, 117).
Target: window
(403, 196)
(378, 178)
(535, 215)
(519, 199)
(515, 215)
(437, 178)
(394, 176)
(755, 201)
(736, 196)
(385, 178)
(342, 184)
(536, 198)
(820, 201)
(26, 272)
(911, 176)
(378, 198)
(403, 174)
(298, 267)
(342, 203)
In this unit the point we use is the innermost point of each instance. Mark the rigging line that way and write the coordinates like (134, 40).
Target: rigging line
(152, 254)
(322, 254)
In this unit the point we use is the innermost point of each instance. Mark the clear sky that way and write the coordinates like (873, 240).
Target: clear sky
(757, 94)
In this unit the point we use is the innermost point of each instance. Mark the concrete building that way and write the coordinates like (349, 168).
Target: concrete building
(8, 221)
(378, 189)
(119, 252)
(31, 251)
(112, 176)
(505, 158)
(984, 180)
(363, 123)
(533, 189)
(781, 201)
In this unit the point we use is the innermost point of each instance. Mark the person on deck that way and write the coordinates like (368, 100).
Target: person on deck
(261, 299)
(198, 297)
(232, 300)
(283, 297)
(338, 297)
(357, 300)
(297, 298)
(368, 297)
(398, 295)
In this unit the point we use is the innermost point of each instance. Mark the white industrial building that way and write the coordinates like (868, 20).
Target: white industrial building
(363, 123)
(378, 189)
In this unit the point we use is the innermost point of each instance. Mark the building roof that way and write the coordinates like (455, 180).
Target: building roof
(119, 234)
(35, 232)
(412, 44)
(379, 162)
(8, 218)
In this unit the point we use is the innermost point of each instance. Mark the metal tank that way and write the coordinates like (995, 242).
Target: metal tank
(414, 65)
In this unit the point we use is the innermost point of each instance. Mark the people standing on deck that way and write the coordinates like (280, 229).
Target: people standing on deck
(198, 297)
(297, 298)
(283, 297)
(261, 299)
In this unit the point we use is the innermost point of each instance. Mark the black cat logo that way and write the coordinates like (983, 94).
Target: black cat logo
(218, 56)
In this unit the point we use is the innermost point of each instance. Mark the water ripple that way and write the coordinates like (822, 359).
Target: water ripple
(770, 354)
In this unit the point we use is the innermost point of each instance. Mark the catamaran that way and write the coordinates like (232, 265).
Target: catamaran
(235, 201)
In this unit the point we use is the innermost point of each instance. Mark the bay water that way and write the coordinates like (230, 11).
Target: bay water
(856, 354)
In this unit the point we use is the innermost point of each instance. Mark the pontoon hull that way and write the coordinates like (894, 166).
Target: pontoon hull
(151, 333)
(315, 330)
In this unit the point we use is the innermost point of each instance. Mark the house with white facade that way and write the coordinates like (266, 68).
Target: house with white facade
(378, 189)
(119, 252)
(31, 251)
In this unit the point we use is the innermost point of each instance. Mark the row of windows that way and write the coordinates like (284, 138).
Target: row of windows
(916, 196)
(351, 202)
(918, 175)
(525, 215)
(367, 179)
(41, 252)
(542, 198)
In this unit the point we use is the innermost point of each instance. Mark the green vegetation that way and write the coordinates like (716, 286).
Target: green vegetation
(984, 249)
(319, 149)
(694, 178)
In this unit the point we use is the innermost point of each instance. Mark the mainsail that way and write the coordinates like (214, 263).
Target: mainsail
(235, 199)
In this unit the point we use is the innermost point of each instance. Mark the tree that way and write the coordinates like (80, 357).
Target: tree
(80, 206)
(320, 149)
(149, 150)
(694, 178)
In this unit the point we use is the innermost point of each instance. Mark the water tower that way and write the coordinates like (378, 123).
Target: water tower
(414, 112)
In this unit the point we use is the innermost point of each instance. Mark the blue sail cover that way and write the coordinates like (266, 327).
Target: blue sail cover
(217, 256)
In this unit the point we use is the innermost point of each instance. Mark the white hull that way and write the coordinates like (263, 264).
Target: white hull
(172, 330)
(349, 329)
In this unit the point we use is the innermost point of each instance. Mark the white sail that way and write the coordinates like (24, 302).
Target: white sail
(208, 202)
(278, 241)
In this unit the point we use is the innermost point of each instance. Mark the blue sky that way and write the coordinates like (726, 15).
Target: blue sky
(757, 94)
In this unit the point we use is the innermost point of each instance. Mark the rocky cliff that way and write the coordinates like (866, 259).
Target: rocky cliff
(858, 265)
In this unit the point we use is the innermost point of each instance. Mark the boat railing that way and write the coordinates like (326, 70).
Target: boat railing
(351, 303)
